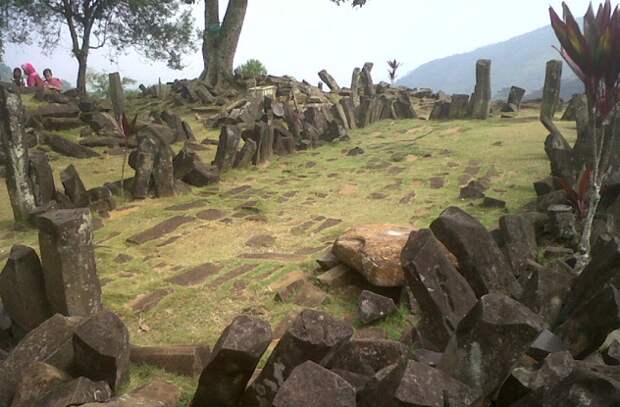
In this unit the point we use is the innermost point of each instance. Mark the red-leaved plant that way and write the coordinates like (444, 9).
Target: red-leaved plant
(579, 197)
(594, 56)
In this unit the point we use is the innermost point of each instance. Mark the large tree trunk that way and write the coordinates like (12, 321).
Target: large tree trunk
(220, 41)
(82, 66)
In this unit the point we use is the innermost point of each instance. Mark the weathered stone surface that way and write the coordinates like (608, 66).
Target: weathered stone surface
(575, 104)
(311, 336)
(442, 293)
(458, 107)
(546, 344)
(159, 230)
(515, 96)
(74, 187)
(76, 393)
(404, 106)
(373, 307)
(153, 166)
(36, 381)
(586, 330)
(51, 343)
(156, 394)
(611, 355)
(264, 130)
(227, 147)
(520, 241)
(441, 110)
(22, 288)
(337, 111)
(415, 384)
(366, 80)
(56, 110)
(101, 200)
(12, 138)
(473, 355)
(374, 252)
(311, 385)
(349, 111)
(365, 356)
(42, 178)
(101, 348)
(181, 360)
(189, 167)
(551, 92)
(481, 261)
(232, 362)
(329, 81)
(244, 157)
(473, 190)
(544, 292)
(560, 155)
(336, 277)
(63, 146)
(481, 99)
(68, 259)
(355, 86)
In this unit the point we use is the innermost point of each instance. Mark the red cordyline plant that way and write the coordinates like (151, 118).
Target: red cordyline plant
(594, 56)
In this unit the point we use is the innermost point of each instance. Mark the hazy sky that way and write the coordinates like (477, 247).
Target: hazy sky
(301, 37)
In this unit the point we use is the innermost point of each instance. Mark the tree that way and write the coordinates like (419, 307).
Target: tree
(393, 70)
(98, 83)
(594, 56)
(221, 38)
(158, 29)
(251, 69)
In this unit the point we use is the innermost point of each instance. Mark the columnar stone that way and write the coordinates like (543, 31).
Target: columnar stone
(74, 187)
(551, 93)
(365, 356)
(116, 94)
(337, 111)
(68, 258)
(163, 170)
(482, 262)
(329, 81)
(520, 241)
(311, 385)
(42, 178)
(50, 342)
(144, 163)
(515, 96)
(22, 288)
(364, 111)
(441, 110)
(181, 360)
(12, 137)
(442, 293)
(77, 392)
(404, 106)
(293, 120)
(545, 291)
(366, 80)
(155, 394)
(227, 147)
(560, 155)
(474, 355)
(101, 348)
(36, 381)
(481, 99)
(577, 103)
(311, 336)
(458, 107)
(355, 86)
(232, 362)
(189, 167)
(266, 134)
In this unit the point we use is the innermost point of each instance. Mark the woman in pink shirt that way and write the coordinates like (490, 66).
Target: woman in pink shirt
(32, 77)
(51, 82)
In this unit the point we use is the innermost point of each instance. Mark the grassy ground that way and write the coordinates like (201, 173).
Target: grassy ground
(411, 170)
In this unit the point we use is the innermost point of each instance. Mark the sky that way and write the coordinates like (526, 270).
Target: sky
(301, 37)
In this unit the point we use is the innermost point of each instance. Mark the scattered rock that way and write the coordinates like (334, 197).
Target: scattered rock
(473, 190)
(374, 307)
(182, 360)
(160, 230)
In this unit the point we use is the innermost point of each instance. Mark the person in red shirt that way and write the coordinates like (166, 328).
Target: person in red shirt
(32, 77)
(51, 82)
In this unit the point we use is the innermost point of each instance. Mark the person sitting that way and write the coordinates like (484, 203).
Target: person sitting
(18, 79)
(32, 77)
(51, 82)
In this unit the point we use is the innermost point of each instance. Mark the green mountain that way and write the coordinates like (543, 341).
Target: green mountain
(519, 61)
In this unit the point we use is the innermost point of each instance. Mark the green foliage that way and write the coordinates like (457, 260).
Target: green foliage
(98, 83)
(251, 69)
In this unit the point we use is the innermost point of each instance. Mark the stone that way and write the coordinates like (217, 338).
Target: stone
(481, 99)
(415, 384)
(302, 293)
(520, 241)
(189, 167)
(374, 252)
(582, 333)
(64, 110)
(12, 137)
(365, 357)
(473, 190)
(227, 147)
(311, 336)
(155, 394)
(22, 288)
(560, 155)
(546, 344)
(244, 157)
(366, 80)
(182, 360)
(515, 96)
(338, 112)
(489, 202)
(544, 292)
(76, 393)
(427, 357)
(74, 187)
(458, 107)
(329, 81)
(266, 137)
(611, 355)
(103, 123)
(575, 104)
(50, 342)
(404, 106)
(355, 86)
(442, 293)
(101, 348)
(355, 152)
(373, 307)
(153, 165)
(481, 261)
(36, 381)
(161, 229)
(98, 141)
(473, 357)
(551, 93)
(42, 178)
(328, 261)
(336, 277)
(232, 362)
(310, 385)
(349, 111)
(68, 148)
(441, 110)
(68, 260)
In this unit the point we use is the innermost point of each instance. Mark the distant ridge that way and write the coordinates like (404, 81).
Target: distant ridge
(518, 61)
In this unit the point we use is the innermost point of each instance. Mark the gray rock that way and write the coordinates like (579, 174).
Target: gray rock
(373, 307)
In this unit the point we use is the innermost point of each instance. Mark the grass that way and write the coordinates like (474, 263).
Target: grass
(400, 159)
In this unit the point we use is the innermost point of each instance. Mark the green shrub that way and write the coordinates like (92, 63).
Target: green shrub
(251, 69)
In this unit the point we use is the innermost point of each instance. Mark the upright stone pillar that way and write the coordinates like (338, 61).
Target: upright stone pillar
(17, 162)
(42, 178)
(116, 94)
(355, 86)
(481, 99)
(551, 94)
(367, 83)
(68, 258)
(329, 81)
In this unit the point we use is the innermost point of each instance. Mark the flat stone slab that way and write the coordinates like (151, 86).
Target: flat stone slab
(187, 206)
(195, 275)
(239, 271)
(210, 214)
(329, 223)
(159, 230)
(147, 302)
(271, 256)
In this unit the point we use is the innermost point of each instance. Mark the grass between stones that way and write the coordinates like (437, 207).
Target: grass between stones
(411, 170)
